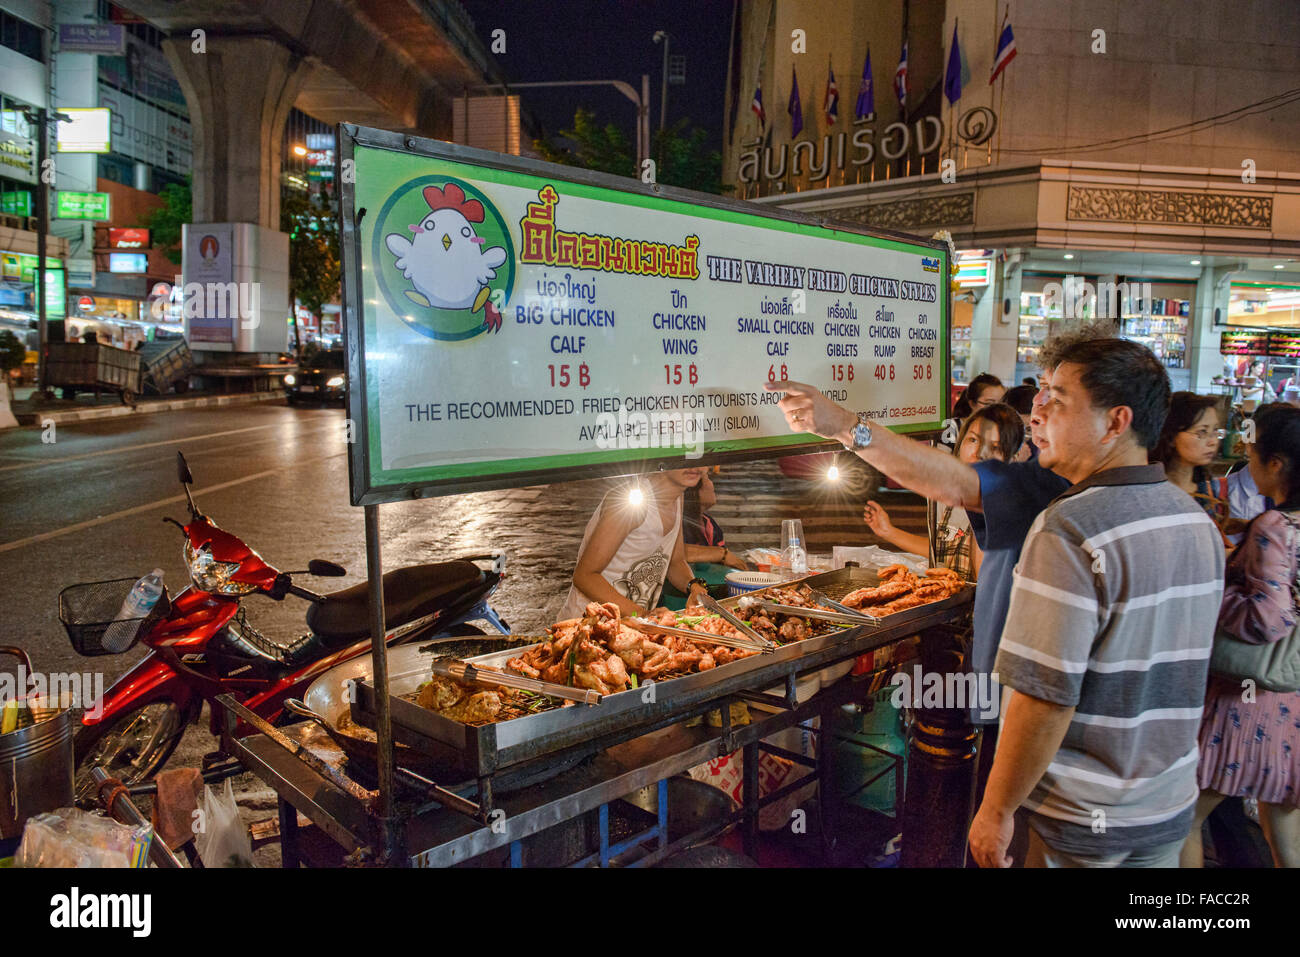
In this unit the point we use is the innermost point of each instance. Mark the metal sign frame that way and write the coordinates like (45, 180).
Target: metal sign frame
(362, 492)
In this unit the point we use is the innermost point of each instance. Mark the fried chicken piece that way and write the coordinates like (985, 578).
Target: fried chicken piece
(707, 662)
(874, 596)
(618, 678)
(440, 693)
(794, 629)
(943, 572)
(664, 616)
(523, 667)
(556, 674)
(479, 707)
(892, 571)
(584, 677)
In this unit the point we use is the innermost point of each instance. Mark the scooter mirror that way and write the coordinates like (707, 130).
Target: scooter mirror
(318, 566)
(183, 470)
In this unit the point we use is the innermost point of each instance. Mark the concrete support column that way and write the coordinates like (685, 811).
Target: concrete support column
(239, 91)
(1203, 357)
(993, 341)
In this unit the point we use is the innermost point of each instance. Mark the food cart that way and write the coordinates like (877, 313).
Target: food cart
(507, 323)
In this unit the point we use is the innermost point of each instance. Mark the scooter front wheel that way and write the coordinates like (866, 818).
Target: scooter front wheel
(132, 747)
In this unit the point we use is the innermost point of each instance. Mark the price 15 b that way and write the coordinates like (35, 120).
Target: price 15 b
(561, 376)
(674, 374)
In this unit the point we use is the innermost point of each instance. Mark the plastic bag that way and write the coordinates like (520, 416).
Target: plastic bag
(873, 556)
(222, 838)
(71, 837)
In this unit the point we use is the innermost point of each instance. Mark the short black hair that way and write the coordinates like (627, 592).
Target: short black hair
(1118, 372)
(1279, 437)
(965, 402)
(1021, 398)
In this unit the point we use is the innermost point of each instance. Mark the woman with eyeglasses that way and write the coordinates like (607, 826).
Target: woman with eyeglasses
(1188, 444)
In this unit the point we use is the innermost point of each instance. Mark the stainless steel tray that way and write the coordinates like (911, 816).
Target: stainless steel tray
(488, 748)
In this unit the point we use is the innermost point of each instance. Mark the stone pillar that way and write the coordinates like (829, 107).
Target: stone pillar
(239, 90)
(993, 341)
(1203, 356)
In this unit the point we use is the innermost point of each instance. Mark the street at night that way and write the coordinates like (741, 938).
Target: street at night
(728, 435)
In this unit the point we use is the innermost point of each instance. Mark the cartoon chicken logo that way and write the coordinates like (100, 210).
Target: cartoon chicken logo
(445, 260)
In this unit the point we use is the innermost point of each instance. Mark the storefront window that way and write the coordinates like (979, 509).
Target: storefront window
(1161, 325)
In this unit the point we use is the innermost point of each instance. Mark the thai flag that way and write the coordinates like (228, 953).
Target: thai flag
(832, 108)
(866, 105)
(1006, 50)
(757, 106)
(795, 107)
(900, 78)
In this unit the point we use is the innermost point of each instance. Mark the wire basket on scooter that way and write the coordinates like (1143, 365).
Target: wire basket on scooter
(89, 615)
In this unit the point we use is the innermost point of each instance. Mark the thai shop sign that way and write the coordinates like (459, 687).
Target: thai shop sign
(74, 205)
(514, 321)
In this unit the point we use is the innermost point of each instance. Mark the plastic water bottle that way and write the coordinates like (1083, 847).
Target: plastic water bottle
(144, 595)
(793, 554)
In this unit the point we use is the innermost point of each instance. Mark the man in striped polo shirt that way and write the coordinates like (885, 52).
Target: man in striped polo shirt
(1107, 640)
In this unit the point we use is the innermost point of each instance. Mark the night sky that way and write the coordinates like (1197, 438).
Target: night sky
(611, 39)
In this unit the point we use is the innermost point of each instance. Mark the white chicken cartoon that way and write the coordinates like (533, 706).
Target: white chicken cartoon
(445, 260)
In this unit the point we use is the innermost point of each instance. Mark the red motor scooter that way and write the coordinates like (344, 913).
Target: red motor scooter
(202, 644)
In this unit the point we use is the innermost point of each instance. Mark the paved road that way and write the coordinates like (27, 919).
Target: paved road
(89, 507)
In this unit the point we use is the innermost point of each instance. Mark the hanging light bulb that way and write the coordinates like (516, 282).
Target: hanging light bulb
(636, 497)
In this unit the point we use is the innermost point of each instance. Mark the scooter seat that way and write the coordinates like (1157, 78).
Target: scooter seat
(409, 594)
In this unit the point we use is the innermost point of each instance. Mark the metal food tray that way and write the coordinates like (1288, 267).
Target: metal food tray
(486, 749)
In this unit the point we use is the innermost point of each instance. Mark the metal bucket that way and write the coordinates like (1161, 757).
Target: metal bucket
(36, 771)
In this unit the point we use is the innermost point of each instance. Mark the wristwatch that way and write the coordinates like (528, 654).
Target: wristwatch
(697, 581)
(861, 434)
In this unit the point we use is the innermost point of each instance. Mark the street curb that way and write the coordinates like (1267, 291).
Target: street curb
(144, 408)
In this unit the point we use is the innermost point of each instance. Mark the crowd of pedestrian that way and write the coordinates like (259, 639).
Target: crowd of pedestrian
(1150, 675)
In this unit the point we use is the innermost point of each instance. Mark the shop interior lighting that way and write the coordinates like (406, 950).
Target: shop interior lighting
(1280, 266)
(636, 497)
(1069, 255)
(300, 151)
(833, 473)
(1196, 262)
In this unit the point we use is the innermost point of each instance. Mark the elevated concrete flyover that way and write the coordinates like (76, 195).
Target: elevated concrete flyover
(396, 64)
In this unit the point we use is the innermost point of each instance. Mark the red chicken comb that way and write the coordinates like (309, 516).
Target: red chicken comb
(453, 197)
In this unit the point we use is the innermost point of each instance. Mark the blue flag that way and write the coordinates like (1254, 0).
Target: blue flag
(866, 104)
(953, 78)
(795, 109)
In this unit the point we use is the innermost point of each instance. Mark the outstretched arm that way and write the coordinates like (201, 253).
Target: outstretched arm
(925, 470)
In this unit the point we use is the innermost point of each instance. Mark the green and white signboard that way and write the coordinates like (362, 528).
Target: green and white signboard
(69, 204)
(511, 322)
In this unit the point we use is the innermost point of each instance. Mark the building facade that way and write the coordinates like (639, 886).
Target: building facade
(1144, 149)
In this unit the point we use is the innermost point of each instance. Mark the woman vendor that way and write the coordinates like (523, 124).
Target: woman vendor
(705, 541)
(630, 548)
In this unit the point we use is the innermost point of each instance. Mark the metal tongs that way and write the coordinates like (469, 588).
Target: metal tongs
(480, 674)
(821, 614)
(645, 626)
(824, 599)
(712, 605)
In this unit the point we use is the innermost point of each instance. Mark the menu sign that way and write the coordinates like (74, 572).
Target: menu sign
(1244, 342)
(511, 322)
